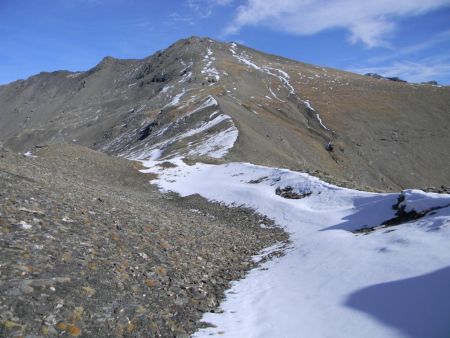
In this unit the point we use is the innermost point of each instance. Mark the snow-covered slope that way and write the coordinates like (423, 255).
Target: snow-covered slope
(335, 280)
(199, 129)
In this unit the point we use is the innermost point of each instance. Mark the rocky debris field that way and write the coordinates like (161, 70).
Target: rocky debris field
(90, 249)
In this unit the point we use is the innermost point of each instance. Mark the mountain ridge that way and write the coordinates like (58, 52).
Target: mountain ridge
(196, 37)
(286, 112)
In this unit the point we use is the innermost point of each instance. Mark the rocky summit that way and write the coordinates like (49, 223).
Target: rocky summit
(90, 248)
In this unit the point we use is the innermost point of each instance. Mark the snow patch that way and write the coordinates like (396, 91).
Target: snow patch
(275, 95)
(176, 99)
(24, 225)
(280, 74)
(264, 253)
(186, 77)
(419, 201)
(308, 105)
(166, 88)
(74, 75)
(29, 154)
(321, 123)
(215, 142)
(331, 282)
(209, 70)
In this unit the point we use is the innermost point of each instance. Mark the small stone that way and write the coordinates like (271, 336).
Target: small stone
(9, 324)
(181, 301)
(88, 291)
(50, 319)
(25, 225)
(143, 255)
(77, 314)
(71, 329)
(151, 283)
(32, 211)
(49, 330)
(160, 270)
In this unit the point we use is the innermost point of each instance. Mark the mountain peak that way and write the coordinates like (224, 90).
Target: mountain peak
(229, 100)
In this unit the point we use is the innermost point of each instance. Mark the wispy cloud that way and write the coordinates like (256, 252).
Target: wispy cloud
(412, 49)
(196, 9)
(369, 21)
(204, 8)
(175, 19)
(433, 68)
(74, 3)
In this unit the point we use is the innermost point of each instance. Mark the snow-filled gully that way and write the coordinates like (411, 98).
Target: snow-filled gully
(332, 282)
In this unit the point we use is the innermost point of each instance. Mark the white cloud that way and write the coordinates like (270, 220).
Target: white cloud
(368, 21)
(433, 68)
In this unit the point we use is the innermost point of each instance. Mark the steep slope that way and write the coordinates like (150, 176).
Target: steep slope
(250, 106)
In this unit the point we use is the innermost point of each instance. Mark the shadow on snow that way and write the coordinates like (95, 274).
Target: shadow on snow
(369, 211)
(419, 306)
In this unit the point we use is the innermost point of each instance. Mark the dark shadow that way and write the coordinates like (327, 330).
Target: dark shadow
(370, 211)
(418, 306)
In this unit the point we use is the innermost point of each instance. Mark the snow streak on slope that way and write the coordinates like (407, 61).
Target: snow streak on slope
(392, 282)
(243, 57)
(216, 145)
(280, 74)
(176, 99)
(209, 70)
(321, 123)
(186, 72)
(212, 136)
(308, 105)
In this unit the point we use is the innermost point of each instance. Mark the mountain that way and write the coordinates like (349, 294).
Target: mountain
(227, 102)
(250, 226)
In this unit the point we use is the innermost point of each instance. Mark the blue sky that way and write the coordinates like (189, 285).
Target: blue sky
(405, 38)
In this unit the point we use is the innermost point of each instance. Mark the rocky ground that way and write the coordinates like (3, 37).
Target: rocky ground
(89, 248)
